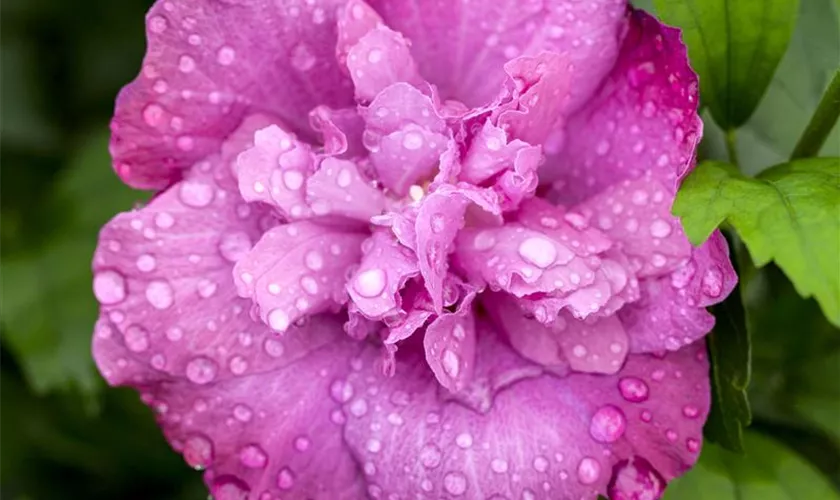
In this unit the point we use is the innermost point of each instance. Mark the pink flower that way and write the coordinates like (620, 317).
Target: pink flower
(412, 249)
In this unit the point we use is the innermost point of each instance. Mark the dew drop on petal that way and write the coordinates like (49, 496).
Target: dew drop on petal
(451, 363)
(159, 294)
(455, 483)
(314, 260)
(292, 179)
(608, 424)
(198, 451)
(430, 456)
(538, 251)
(109, 287)
(278, 320)
(412, 141)
(136, 338)
(660, 228)
(588, 470)
(195, 194)
(635, 478)
(252, 456)
(370, 283)
(201, 370)
(484, 241)
(633, 389)
(712, 284)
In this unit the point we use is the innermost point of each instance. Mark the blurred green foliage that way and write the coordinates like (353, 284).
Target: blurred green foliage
(64, 437)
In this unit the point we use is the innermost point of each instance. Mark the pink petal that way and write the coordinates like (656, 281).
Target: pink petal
(341, 130)
(163, 276)
(559, 438)
(709, 277)
(637, 215)
(449, 344)
(405, 136)
(380, 59)
(339, 189)
(418, 308)
(275, 171)
(462, 49)
(203, 73)
(296, 270)
(642, 120)
(386, 266)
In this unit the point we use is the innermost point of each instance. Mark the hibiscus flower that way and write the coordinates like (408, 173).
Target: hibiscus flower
(412, 249)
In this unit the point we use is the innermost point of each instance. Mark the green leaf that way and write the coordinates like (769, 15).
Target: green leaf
(729, 354)
(789, 214)
(768, 138)
(735, 46)
(48, 309)
(767, 471)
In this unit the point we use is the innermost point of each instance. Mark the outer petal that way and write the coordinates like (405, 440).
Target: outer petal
(539, 437)
(274, 433)
(462, 48)
(386, 266)
(338, 188)
(643, 118)
(637, 215)
(449, 343)
(163, 276)
(297, 270)
(380, 59)
(203, 73)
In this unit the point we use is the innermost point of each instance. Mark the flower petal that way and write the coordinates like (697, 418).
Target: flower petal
(559, 438)
(203, 73)
(341, 130)
(386, 267)
(405, 136)
(380, 59)
(449, 343)
(642, 120)
(637, 215)
(296, 270)
(462, 48)
(339, 189)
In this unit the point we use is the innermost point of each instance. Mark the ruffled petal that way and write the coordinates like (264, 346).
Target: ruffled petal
(275, 433)
(338, 188)
(449, 344)
(385, 268)
(340, 129)
(462, 48)
(643, 120)
(521, 434)
(162, 275)
(296, 270)
(203, 73)
(405, 136)
(637, 215)
(275, 170)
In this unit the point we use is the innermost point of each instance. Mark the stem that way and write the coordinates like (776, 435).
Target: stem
(732, 147)
(821, 122)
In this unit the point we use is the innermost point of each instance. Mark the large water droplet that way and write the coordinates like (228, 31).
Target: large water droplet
(430, 456)
(234, 245)
(225, 56)
(201, 370)
(159, 294)
(484, 241)
(198, 451)
(278, 320)
(588, 470)
(292, 179)
(136, 338)
(195, 194)
(464, 440)
(608, 424)
(412, 141)
(146, 263)
(660, 228)
(341, 391)
(713, 282)
(253, 456)
(230, 488)
(109, 287)
(314, 260)
(285, 479)
(635, 478)
(238, 365)
(370, 283)
(633, 389)
(344, 178)
(455, 483)
(538, 251)
(451, 363)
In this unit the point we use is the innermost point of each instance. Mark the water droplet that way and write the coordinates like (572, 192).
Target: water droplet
(635, 478)
(374, 445)
(633, 389)
(238, 365)
(484, 241)
(278, 320)
(146, 263)
(451, 363)
(692, 445)
(186, 64)
(608, 424)
(292, 179)
(660, 228)
(164, 220)
(206, 288)
(341, 391)
(658, 260)
(158, 24)
(631, 225)
(196, 194)
(690, 411)
(499, 466)
(109, 287)
(344, 178)
(430, 456)
(314, 260)
(153, 115)
(225, 56)
(230, 488)
(253, 456)
(285, 479)
(712, 284)
(412, 141)
(302, 58)
(455, 483)
(158, 361)
(302, 443)
(273, 347)
(201, 370)
(374, 56)
(136, 338)
(159, 294)
(538, 251)
(464, 440)
(540, 464)
(359, 408)
(234, 245)
(309, 284)
(588, 470)
(242, 413)
(198, 451)
(603, 147)
(370, 283)
(683, 276)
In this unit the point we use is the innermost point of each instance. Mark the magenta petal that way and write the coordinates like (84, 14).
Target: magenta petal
(709, 277)
(462, 48)
(339, 189)
(449, 344)
(203, 73)
(376, 284)
(642, 120)
(637, 215)
(380, 59)
(405, 136)
(275, 170)
(297, 270)
(341, 130)
(563, 438)
(439, 219)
